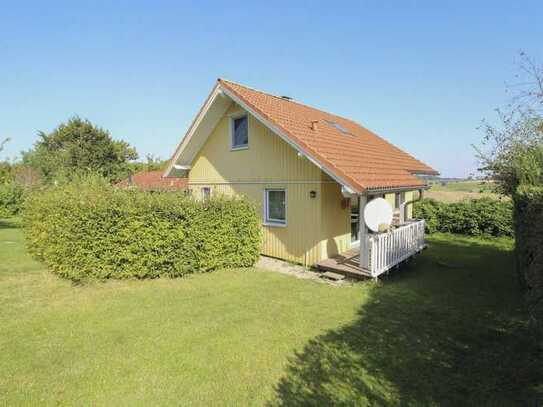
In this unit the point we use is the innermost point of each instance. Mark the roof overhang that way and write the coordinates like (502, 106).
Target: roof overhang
(201, 127)
(216, 105)
(424, 173)
(284, 136)
(378, 191)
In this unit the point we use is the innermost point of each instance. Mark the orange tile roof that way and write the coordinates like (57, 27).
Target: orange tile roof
(348, 150)
(154, 180)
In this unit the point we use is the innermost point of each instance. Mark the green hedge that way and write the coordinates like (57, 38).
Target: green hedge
(529, 247)
(475, 217)
(12, 196)
(96, 231)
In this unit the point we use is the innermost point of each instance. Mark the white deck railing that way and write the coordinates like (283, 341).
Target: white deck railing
(385, 250)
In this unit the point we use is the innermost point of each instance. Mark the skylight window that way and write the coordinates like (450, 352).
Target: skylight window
(338, 127)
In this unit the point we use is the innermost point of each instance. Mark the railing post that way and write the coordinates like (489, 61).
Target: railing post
(389, 249)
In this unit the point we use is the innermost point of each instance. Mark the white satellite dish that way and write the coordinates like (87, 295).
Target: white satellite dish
(377, 212)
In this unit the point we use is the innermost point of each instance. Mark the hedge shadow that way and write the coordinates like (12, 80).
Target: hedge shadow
(434, 335)
(9, 224)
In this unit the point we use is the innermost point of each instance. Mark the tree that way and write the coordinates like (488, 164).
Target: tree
(5, 166)
(512, 153)
(3, 143)
(78, 147)
(151, 163)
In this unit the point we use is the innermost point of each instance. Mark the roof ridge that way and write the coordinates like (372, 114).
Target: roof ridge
(291, 100)
(356, 123)
(290, 118)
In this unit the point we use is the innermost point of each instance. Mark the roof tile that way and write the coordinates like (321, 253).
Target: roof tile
(154, 180)
(360, 157)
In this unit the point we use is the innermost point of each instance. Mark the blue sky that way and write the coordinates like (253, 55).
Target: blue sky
(421, 74)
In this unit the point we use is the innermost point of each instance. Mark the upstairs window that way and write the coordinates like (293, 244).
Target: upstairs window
(275, 207)
(240, 132)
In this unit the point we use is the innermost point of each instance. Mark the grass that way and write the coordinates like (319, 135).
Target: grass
(448, 330)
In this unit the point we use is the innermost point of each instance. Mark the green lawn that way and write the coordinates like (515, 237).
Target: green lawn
(447, 330)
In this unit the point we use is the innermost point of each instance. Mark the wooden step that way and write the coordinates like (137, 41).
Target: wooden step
(347, 271)
(330, 275)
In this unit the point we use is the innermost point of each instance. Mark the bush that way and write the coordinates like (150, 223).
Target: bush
(96, 231)
(12, 196)
(529, 247)
(475, 217)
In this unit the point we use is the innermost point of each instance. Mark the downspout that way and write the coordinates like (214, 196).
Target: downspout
(411, 202)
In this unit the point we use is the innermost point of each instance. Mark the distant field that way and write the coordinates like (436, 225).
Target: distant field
(460, 190)
(463, 186)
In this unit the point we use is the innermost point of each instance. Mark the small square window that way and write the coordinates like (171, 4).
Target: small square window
(240, 132)
(275, 207)
(206, 192)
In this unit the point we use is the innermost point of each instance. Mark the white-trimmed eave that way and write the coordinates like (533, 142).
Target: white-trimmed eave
(218, 91)
(378, 191)
(287, 139)
(181, 148)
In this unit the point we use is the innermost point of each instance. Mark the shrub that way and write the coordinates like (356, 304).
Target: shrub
(12, 196)
(476, 217)
(92, 230)
(529, 247)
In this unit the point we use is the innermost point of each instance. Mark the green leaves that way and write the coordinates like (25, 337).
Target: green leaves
(12, 196)
(475, 217)
(88, 229)
(529, 249)
(79, 147)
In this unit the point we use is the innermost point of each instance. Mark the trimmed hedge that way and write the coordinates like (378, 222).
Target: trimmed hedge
(12, 196)
(475, 217)
(529, 248)
(95, 231)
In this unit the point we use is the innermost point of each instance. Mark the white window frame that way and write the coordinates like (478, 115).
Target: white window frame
(204, 194)
(275, 222)
(232, 121)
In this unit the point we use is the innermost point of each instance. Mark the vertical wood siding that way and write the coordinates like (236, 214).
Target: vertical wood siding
(316, 228)
(268, 157)
(300, 240)
(336, 231)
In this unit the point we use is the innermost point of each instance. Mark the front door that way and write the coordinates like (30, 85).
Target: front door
(355, 221)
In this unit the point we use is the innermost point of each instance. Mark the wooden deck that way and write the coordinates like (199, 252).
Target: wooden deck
(346, 263)
(384, 251)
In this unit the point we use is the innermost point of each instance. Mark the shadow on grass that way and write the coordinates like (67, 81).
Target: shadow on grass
(447, 330)
(11, 223)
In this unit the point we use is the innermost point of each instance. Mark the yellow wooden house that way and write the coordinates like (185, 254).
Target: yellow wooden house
(310, 173)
